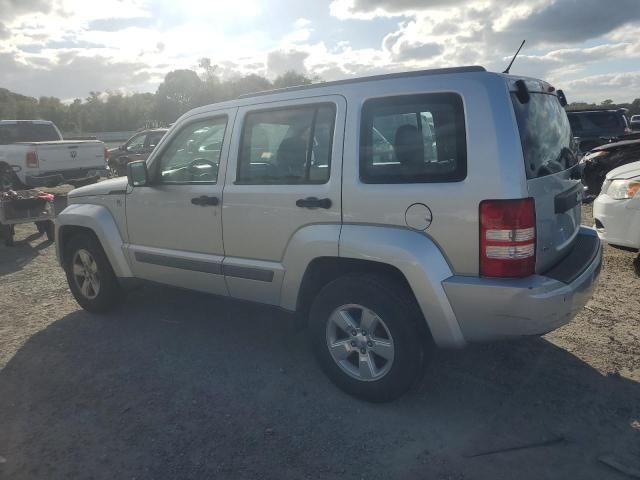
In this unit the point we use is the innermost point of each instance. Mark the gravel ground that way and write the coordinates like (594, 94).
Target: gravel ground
(182, 385)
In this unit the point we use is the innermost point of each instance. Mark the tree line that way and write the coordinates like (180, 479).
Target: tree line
(180, 91)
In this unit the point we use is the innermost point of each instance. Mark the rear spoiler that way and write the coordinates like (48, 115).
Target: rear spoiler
(524, 87)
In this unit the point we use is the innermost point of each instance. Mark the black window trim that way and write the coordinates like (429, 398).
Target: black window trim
(157, 161)
(297, 106)
(366, 127)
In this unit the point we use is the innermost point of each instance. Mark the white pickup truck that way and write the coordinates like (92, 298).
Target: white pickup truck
(33, 154)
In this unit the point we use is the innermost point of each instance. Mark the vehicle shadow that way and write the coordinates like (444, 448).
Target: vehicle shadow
(636, 265)
(15, 258)
(182, 385)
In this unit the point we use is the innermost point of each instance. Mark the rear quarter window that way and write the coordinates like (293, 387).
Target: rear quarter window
(413, 139)
(27, 132)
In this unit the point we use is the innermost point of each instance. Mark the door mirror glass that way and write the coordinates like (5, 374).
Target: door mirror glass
(137, 174)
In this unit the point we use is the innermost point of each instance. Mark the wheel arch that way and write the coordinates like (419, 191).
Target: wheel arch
(95, 220)
(410, 257)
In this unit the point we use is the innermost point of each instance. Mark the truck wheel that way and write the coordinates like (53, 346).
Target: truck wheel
(9, 180)
(7, 232)
(89, 274)
(368, 336)
(49, 230)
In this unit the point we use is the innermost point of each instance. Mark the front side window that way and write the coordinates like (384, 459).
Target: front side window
(413, 139)
(194, 153)
(136, 144)
(287, 146)
(153, 139)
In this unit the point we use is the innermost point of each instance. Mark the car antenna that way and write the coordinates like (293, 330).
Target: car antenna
(514, 57)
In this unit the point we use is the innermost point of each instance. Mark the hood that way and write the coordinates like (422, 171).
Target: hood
(622, 144)
(107, 187)
(630, 170)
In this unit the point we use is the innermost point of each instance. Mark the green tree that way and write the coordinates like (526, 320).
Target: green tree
(292, 79)
(180, 91)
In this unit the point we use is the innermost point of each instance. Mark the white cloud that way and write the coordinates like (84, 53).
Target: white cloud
(620, 87)
(565, 43)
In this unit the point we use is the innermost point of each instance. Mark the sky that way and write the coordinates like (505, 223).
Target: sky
(66, 48)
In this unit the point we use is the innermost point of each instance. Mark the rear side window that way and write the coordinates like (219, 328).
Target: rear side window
(545, 135)
(413, 139)
(27, 132)
(287, 146)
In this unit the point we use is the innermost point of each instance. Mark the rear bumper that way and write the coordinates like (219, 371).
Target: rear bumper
(491, 309)
(63, 176)
(618, 221)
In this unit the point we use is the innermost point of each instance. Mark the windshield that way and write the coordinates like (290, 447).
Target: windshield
(545, 134)
(28, 132)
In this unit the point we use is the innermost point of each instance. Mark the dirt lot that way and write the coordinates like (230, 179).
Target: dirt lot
(182, 385)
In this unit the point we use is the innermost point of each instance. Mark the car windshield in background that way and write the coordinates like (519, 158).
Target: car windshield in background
(545, 134)
(582, 122)
(27, 132)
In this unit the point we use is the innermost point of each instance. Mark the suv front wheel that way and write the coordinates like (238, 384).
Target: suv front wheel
(368, 336)
(90, 276)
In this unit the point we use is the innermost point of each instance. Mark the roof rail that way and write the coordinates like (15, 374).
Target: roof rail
(387, 76)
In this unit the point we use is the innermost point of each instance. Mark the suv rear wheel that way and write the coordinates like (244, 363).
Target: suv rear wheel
(90, 276)
(367, 334)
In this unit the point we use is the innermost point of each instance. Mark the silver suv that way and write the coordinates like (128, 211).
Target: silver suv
(394, 213)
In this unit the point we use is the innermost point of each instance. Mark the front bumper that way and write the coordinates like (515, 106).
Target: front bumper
(491, 309)
(54, 178)
(618, 221)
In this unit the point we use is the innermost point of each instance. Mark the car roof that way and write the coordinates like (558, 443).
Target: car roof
(324, 88)
(602, 110)
(371, 78)
(16, 122)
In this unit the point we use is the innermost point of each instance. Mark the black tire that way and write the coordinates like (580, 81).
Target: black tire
(7, 232)
(109, 292)
(397, 308)
(9, 180)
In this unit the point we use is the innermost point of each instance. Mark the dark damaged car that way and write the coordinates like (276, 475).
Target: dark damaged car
(601, 160)
(138, 147)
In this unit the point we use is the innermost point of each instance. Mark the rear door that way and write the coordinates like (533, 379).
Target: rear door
(550, 165)
(284, 176)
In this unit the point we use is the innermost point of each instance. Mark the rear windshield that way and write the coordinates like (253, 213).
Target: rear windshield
(595, 122)
(545, 134)
(27, 132)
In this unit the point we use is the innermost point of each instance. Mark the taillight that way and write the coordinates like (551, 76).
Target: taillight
(507, 238)
(32, 159)
(627, 131)
(106, 154)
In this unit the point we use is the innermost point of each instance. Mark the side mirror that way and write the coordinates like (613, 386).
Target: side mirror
(137, 173)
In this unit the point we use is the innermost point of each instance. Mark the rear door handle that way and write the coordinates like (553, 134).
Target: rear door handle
(205, 201)
(313, 202)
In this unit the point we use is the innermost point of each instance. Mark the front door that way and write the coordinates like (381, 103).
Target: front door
(174, 224)
(284, 178)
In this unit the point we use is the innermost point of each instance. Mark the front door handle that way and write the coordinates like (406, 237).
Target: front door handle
(205, 201)
(313, 202)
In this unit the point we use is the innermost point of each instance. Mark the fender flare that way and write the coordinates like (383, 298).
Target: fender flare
(99, 220)
(306, 244)
(422, 263)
